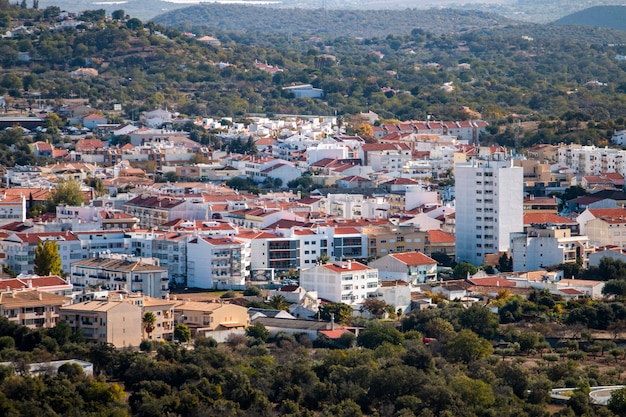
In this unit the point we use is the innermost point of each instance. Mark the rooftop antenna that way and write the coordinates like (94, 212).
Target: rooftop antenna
(517, 132)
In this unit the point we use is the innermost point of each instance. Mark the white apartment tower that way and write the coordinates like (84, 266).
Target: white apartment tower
(489, 206)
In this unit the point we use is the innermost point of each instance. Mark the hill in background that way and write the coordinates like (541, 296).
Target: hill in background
(534, 11)
(613, 17)
(359, 23)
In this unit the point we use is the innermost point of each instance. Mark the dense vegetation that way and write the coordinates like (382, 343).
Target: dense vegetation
(603, 16)
(522, 72)
(471, 366)
(328, 23)
(537, 11)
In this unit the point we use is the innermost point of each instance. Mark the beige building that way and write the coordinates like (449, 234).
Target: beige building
(32, 308)
(438, 241)
(393, 239)
(216, 320)
(107, 322)
(607, 230)
(163, 311)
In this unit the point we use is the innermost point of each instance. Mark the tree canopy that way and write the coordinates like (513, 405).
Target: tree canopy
(47, 259)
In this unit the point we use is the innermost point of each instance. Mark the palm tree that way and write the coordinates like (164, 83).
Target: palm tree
(278, 302)
(148, 321)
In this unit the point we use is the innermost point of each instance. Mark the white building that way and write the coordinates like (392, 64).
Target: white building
(305, 91)
(411, 267)
(489, 207)
(347, 282)
(122, 273)
(542, 247)
(591, 160)
(215, 262)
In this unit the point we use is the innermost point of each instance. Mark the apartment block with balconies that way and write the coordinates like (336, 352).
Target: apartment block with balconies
(107, 322)
(119, 272)
(32, 308)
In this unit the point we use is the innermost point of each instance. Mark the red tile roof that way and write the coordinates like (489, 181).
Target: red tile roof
(614, 213)
(346, 266)
(492, 282)
(439, 236)
(32, 282)
(36, 237)
(413, 258)
(571, 291)
(333, 334)
(153, 201)
(545, 218)
(346, 231)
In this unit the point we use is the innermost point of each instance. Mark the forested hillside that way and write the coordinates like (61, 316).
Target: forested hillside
(566, 77)
(328, 22)
(613, 17)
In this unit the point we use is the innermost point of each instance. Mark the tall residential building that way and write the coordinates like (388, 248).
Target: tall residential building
(489, 207)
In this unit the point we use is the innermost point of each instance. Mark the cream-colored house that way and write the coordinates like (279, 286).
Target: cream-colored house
(163, 311)
(413, 267)
(31, 308)
(215, 320)
(107, 322)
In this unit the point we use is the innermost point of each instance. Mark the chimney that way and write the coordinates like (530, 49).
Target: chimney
(350, 264)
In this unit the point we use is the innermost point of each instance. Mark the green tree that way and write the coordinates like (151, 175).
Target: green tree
(375, 335)
(340, 311)
(466, 347)
(323, 258)
(278, 302)
(252, 290)
(474, 392)
(480, 320)
(615, 287)
(118, 15)
(505, 263)
(529, 340)
(47, 258)
(182, 333)
(463, 269)
(61, 332)
(617, 402)
(258, 331)
(67, 192)
(53, 123)
(375, 307)
(148, 322)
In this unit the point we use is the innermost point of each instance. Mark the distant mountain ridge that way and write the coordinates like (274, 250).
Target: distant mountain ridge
(530, 11)
(319, 22)
(612, 17)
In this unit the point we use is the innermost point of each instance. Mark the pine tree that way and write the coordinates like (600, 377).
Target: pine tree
(47, 259)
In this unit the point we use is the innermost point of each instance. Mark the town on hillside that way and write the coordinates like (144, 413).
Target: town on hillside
(303, 212)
